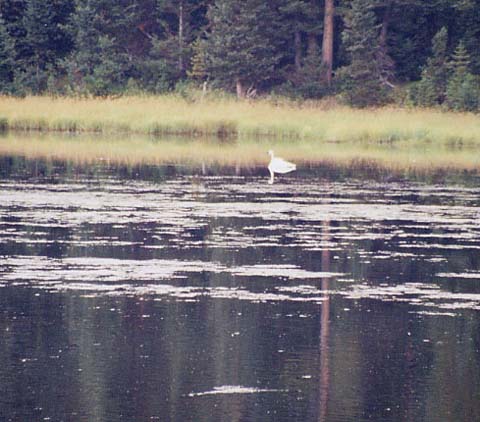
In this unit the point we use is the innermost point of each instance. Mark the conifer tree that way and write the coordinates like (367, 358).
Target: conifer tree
(198, 66)
(430, 90)
(460, 62)
(302, 23)
(176, 19)
(159, 74)
(327, 42)
(12, 12)
(297, 21)
(43, 42)
(7, 58)
(122, 44)
(101, 63)
(240, 49)
(361, 80)
(463, 90)
(38, 22)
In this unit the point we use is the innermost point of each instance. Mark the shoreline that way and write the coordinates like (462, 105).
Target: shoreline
(224, 119)
(246, 156)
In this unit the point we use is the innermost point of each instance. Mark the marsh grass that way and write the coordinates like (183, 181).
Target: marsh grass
(170, 115)
(248, 154)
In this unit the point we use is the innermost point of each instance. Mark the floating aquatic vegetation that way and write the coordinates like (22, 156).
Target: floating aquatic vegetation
(418, 294)
(467, 275)
(280, 271)
(434, 313)
(235, 389)
(222, 237)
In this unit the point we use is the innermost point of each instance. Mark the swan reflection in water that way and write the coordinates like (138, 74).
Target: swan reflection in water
(278, 165)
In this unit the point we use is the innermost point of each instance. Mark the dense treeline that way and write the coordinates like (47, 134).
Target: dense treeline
(367, 52)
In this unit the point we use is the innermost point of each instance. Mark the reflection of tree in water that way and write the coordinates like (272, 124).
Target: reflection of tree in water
(142, 355)
(324, 348)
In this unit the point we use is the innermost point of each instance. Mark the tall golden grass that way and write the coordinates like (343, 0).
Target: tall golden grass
(168, 115)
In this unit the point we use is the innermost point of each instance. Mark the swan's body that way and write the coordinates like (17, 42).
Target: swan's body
(279, 165)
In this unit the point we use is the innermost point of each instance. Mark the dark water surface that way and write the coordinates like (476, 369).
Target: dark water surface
(139, 296)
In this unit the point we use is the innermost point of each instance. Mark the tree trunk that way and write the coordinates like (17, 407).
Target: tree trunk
(312, 46)
(240, 88)
(385, 62)
(385, 23)
(327, 42)
(298, 51)
(180, 37)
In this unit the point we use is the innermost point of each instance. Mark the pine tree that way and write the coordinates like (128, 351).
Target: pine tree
(12, 12)
(302, 21)
(41, 43)
(296, 21)
(361, 81)
(309, 80)
(430, 90)
(460, 62)
(198, 62)
(176, 19)
(463, 90)
(101, 63)
(38, 23)
(158, 73)
(467, 18)
(240, 49)
(328, 40)
(7, 58)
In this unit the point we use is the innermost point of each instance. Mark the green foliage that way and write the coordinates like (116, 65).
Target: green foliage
(158, 74)
(42, 42)
(241, 46)
(460, 62)
(447, 82)
(39, 25)
(7, 58)
(360, 82)
(463, 88)
(409, 39)
(106, 76)
(463, 93)
(176, 19)
(308, 82)
(466, 25)
(300, 15)
(430, 90)
(199, 61)
(103, 47)
(101, 63)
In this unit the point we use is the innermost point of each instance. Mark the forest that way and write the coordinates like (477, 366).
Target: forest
(362, 52)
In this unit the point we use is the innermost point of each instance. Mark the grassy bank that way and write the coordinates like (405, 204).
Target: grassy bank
(401, 157)
(168, 115)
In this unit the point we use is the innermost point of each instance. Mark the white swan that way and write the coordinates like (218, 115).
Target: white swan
(279, 165)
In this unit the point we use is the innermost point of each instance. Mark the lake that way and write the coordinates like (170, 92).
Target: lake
(159, 292)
